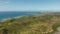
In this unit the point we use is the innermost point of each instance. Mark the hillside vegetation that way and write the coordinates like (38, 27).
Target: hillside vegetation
(46, 24)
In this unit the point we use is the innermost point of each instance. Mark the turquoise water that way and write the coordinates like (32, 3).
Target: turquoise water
(4, 15)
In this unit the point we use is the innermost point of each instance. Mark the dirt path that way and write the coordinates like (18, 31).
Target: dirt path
(58, 31)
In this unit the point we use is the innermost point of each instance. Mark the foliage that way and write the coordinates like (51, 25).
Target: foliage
(31, 24)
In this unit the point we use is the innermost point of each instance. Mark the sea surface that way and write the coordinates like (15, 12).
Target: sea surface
(5, 15)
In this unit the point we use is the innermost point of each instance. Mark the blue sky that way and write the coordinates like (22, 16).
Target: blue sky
(29, 5)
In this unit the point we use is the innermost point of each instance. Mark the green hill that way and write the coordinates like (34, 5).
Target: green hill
(46, 24)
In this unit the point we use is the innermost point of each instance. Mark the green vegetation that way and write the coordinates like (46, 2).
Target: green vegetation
(46, 24)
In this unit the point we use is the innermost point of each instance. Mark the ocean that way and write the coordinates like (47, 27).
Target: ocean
(5, 15)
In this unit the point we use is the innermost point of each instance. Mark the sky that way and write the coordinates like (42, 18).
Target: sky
(29, 5)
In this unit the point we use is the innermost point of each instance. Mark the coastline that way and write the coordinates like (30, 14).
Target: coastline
(4, 19)
(10, 18)
(34, 15)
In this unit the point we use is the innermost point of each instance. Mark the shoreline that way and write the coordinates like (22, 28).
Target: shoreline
(4, 19)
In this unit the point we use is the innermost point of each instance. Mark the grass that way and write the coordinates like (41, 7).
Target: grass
(31, 25)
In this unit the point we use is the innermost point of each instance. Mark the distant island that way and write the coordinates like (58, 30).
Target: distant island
(41, 24)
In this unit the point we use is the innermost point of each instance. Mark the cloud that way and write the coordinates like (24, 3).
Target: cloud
(3, 2)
